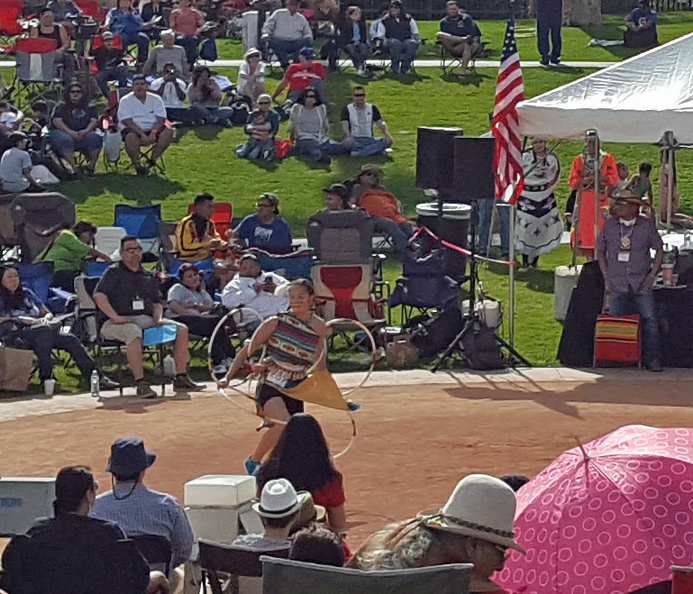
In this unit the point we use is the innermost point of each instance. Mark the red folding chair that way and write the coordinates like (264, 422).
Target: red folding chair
(10, 29)
(91, 9)
(38, 73)
(97, 41)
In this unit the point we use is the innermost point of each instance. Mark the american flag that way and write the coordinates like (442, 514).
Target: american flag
(510, 90)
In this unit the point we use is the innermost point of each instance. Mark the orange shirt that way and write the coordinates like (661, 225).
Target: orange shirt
(378, 202)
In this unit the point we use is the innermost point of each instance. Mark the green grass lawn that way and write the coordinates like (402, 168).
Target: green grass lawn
(203, 160)
(671, 25)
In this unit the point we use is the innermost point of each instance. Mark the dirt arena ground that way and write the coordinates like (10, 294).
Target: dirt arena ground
(415, 439)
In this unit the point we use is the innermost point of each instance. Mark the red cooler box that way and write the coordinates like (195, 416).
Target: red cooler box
(617, 341)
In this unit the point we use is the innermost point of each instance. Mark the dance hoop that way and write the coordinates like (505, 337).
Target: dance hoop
(371, 342)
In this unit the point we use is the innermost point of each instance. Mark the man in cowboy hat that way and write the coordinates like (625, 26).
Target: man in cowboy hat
(279, 507)
(623, 252)
(137, 509)
(474, 526)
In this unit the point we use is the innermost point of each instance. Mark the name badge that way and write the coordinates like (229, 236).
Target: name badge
(624, 256)
(137, 305)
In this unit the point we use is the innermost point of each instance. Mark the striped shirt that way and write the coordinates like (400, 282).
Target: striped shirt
(291, 349)
(148, 512)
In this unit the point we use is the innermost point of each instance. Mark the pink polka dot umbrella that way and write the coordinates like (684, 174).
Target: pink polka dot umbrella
(608, 517)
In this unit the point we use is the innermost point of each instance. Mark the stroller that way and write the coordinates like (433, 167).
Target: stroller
(38, 218)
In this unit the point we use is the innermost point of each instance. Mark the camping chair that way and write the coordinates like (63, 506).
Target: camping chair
(449, 63)
(344, 292)
(283, 576)
(143, 223)
(38, 74)
(96, 268)
(168, 249)
(107, 240)
(156, 550)
(88, 328)
(91, 8)
(216, 559)
(8, 234)
(38, 218)
(290, 266)
(10, 29)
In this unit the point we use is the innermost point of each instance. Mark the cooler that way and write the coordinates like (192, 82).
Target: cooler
(564, 280)
(249, 33)
(22, 501)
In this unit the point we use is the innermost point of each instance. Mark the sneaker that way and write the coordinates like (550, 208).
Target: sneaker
(106, 383)
(144, 390)
(354, 154)
(544, 61)
(183, 383)
(523, 269)
(141, 171)
(251, 467)
(219, 369)
(556, 61)
(361, 72)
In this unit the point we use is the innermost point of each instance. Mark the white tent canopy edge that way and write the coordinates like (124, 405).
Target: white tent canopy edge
(636, 100)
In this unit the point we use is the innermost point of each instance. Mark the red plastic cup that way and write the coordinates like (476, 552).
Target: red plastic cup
(681, 580)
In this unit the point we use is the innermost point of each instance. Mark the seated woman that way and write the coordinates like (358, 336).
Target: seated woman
(15, 167)
(309, 126)
(265, 229)
(251, 75)
(354, 39)
(295, 342)
(368, 193)
(154, 18)
(189, 303)
(187, 22)
(205, 95)
(68, 252)
(74, 129)
(303, 440)
(125, 21)
(48, 29)
(401, 37)
(36, 329)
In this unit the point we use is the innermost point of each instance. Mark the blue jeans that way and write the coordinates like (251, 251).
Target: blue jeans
(485, 209)
(317, 150)
(190, 44)
(644, 304)
(283, 48)
(402, 54)
(366, 146)
(317, 84)
(399, 233)
(63, 144)
(187, 116)
(142, 41)
(119, 73)
(549, 21)
(215, 115)
(358, 52)
(256, 149)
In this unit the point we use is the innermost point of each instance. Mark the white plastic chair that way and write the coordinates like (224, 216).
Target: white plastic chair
(108, 240)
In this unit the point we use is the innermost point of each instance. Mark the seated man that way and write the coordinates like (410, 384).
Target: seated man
(196, 236)
(129, 296)
(166, 54)
(641, 27)
(110, 64)
(278, 508)
(307, 73)
(287, 31)
(72, 552)
(138, 510)
(63, 9)
(15, 167)
(376, 32)
(173, 92)
(142, 121)
(265, 292)
(459, 34)
(265, 230)
(357, 121)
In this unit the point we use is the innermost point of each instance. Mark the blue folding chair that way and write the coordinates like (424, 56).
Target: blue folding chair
(143, 223)
(295, 265)
(37, 277)
(96, 267)
(205, 266)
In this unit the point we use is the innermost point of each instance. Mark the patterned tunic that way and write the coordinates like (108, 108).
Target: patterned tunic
(291, 350)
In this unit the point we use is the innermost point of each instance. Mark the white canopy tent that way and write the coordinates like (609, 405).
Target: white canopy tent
(636, 100)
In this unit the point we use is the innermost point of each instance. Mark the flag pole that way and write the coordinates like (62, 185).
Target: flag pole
(511, 274)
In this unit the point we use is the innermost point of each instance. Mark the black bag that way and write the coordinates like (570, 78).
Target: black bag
(241, 109)
(481, 348)
(11, 335)
(434, 335)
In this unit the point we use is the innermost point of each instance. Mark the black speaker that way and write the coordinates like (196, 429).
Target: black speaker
(434, 150)
(473, 175)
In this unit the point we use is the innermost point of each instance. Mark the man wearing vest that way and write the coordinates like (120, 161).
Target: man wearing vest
(357, 120)
(196, 236)
(401, 37)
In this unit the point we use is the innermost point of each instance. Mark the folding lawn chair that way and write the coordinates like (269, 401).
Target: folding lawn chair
(107, 240)
(143, 223)
(10, 29)
(222, 216)
(290, 266)
(38, 74)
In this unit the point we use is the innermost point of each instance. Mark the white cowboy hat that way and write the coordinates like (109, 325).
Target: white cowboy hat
(481, 506)
(279, 499)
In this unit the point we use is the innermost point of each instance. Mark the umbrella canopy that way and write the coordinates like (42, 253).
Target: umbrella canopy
(608, 517)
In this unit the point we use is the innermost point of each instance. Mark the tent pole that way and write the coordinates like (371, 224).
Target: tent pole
(597, 174)
(670, 185)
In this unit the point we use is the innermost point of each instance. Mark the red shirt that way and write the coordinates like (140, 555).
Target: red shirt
(300, 78)
(331, 494)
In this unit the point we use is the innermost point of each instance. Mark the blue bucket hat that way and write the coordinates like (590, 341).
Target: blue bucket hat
(128, 457)
(307, 52)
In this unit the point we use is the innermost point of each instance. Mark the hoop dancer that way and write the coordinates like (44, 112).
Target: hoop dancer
(295, 343)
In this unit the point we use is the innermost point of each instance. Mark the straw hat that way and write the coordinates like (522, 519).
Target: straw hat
(481, 506)
(310, 512)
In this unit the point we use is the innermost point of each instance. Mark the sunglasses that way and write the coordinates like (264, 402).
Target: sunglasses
(263, 205)
(75, 92)
(263, 102)
(310, 96)
(359, 94)
(133, 250)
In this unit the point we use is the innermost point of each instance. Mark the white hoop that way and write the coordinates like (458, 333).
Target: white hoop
(371, 340)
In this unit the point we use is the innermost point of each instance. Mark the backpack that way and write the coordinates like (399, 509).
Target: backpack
(433, 335)
(480, 346)
(208, 50)
(241, 110)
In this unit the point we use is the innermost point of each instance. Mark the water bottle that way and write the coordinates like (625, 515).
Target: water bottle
(94, 383)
